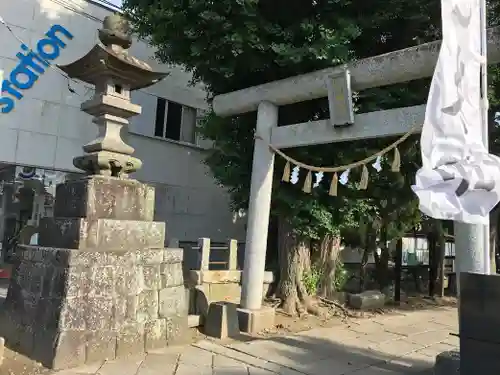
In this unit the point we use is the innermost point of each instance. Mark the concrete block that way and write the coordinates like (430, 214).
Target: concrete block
(255, 321)
(222, 320)
(371, 299)
(447, 363)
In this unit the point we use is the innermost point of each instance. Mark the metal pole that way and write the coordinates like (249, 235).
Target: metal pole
(484, 121)
(469, 244)
(472, 242)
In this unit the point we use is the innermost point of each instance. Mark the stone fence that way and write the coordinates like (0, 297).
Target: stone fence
(212, 274)
(219, 254)
(207, 255)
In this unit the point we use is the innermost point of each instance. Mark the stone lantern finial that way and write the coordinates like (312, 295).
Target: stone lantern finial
(115, 32)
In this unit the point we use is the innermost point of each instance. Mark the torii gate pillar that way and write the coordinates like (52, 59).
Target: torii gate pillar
(251, 315)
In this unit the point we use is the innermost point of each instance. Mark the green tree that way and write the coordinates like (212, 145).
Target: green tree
(234, 44)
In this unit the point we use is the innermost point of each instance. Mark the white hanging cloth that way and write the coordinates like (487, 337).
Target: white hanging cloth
(459, 180)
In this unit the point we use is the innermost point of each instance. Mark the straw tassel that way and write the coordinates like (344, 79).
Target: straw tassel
(363, 183)
(286, 173)
(308, 183)
(396, 162)
(334, 185)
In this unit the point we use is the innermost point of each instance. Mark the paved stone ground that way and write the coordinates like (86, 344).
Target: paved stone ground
(402, 344)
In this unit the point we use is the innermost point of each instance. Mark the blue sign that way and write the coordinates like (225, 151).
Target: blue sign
(32, 64)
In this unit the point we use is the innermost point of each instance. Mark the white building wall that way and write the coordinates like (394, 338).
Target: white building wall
(47, 129)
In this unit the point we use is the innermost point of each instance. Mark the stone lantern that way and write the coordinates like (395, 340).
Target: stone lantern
(100, 284)
(114, 74)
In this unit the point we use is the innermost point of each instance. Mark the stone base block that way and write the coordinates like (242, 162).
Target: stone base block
(104, 234)
(371, 299)
(66, 308)
(222, 320)
(447, 363)
(102, 197)
(255, 321)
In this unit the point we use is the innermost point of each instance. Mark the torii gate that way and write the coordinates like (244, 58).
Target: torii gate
(388, 69)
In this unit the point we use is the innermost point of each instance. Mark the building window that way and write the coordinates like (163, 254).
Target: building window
(168, 119)
(161, 106)
(174, 121)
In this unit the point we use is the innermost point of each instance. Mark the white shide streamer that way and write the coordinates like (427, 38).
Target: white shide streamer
(459, 180)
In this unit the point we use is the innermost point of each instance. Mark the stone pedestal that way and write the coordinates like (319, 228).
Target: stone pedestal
(101, 285)
(222, 320)
(479, 323)
(256, 321)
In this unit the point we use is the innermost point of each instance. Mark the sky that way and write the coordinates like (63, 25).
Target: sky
(118, 3)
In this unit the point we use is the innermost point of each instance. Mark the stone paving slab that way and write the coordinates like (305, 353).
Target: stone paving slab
(403, 344)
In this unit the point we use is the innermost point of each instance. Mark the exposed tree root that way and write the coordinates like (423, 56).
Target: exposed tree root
(295, 261)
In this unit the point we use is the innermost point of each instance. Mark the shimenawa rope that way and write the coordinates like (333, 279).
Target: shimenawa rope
(363, 184)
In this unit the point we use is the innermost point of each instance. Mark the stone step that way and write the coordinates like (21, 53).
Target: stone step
(105, 234)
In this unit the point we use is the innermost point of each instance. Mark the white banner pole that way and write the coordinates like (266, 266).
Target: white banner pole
(484, 119)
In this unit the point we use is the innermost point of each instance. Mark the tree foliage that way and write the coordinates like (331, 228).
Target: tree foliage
(230, 45)
(233, 44)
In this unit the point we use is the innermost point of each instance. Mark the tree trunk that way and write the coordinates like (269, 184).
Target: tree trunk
(364, 261)
(432, 245)
(442, 257)
(437, 248)
(437, 239)
(329, 252)
(382, 260)
(295, 260)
